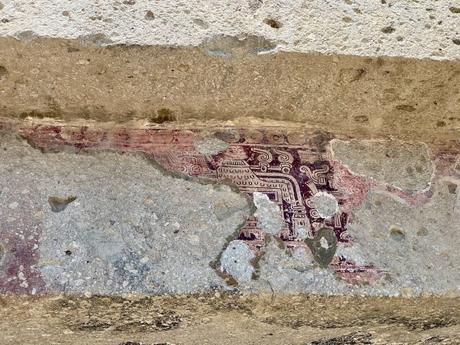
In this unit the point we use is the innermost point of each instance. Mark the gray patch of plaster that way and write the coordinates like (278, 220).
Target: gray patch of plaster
(417, 246)
(401, 164)
(284, 273)
(302, 233)
(421, 29)
(413, 247)
(351, 252)
(131, 229)
(326, 204)
(26, 36)
(94, 40)
(229, 46)
(236, 261)
(209, 145)
(268, 214)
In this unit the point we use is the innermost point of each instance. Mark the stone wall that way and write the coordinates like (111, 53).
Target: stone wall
(171, 147)
(113, 209)
(416, 29)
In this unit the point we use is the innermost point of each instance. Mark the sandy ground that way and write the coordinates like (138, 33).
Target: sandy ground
(228, 319)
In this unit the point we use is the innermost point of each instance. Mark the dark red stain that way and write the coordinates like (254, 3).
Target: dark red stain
(19, 273)
(354, 274)
(290, 171)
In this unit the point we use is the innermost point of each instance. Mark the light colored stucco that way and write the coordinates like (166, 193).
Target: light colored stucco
(418, 28)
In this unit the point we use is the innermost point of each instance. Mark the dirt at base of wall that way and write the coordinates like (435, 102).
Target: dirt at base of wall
(228, 319)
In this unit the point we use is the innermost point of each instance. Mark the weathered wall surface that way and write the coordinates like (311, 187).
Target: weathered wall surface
(259, 146)
(224, 60)
(359, 96)
(419, 29)
(274, 211)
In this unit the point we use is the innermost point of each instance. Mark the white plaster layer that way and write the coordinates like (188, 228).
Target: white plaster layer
(417, 29)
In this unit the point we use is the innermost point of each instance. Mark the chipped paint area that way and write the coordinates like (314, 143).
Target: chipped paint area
(20, 247)
(290, 174)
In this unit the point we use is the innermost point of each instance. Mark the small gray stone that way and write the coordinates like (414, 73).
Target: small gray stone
(236, 261)
(302, 233)
(326, 204)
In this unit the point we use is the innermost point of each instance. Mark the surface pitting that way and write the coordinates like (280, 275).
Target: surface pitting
(421, 29)
(256, 162)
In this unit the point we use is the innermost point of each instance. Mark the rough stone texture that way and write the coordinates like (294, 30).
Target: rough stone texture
(412, 243)
(355, 96)
(228, 320)
(132, 228)
(210, 145)
(236, 261)
(325, 203)
(285, 272)
(333, 215)
(401, 164)
(371, 248)
(268, 214)
(421, 29)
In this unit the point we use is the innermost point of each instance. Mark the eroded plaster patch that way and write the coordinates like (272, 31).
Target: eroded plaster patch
(122, 234)
(209, 145)
(266, 166)
(400, 164)
(268, 214)
(326, 204)
(236, 261)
